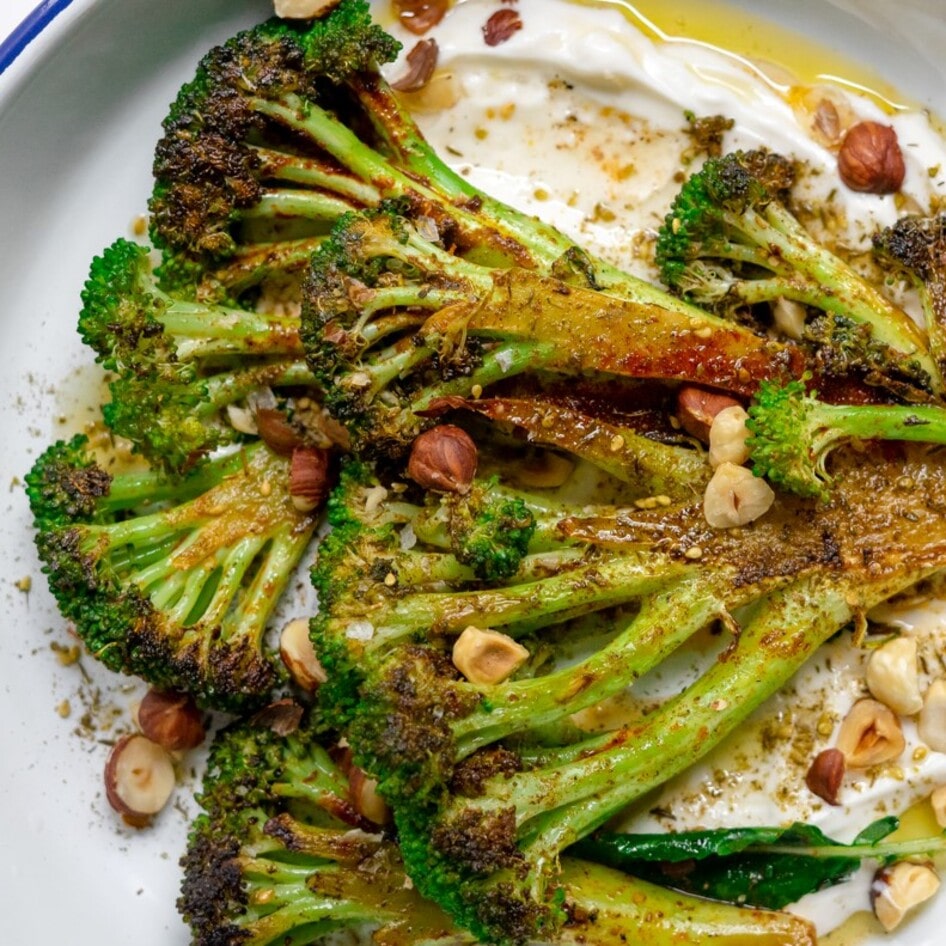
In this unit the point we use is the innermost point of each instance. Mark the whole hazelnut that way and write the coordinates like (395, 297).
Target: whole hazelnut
(825, 775)
(172, 720)
(309, 479)
(870, 159)
(443, 458)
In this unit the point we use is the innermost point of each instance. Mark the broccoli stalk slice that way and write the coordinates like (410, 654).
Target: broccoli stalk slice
(726, 214)
(180, 596)
(518, 825)
(490, 325)
(655, 468)
(793, 433)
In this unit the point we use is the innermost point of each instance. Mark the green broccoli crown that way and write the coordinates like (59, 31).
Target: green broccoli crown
(731, 184)
(171, 580)
(781, 422)
(918, 244)
(119, 303)
(206, 171)
(65, 484)
(491, 534)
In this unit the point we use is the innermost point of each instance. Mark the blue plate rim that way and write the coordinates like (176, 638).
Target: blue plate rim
(29, 29)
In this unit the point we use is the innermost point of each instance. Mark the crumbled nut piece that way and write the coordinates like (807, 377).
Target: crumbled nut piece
(825, 775)
(500, 26)
(870, 159)
(303, 9)
(274, 428)
(363, 792)
(696, 408)
(938, 804)
(418, 16)
(309, 481)
(893, 677)
(899, 888)
(421, 63)
(789, 318)
(139, 779)
(735, 497)
(172, 720)
(931, 724)
(443, 458)
(486, 656)
(282, 717)
(727, 436)
(298, 654)
(870, 734)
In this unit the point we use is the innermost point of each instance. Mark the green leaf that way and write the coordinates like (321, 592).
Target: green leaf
(763, 867)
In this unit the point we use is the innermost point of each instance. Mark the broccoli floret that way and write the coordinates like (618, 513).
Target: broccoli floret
(793, 433)
(916, 247)
(392, 323)
(287, 126)
(179, 363)
(491, 782)
(272, 858)
(730, 241)
(172, 580)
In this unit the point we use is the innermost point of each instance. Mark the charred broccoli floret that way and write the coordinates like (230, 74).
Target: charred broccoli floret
(730, 240)
(179, 363)
(273, 858)
(171, 580)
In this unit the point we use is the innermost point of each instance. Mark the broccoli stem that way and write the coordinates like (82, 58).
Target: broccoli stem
(782, 634)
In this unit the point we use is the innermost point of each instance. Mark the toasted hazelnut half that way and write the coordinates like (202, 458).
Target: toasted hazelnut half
(139, 779)
(735, 496)
(696, 408)
(419, 16)
(870, 159)
(487, 657)
(825, 775)
(931, 724)
(893, 677)
(363, 792)
(899, 888)
(172, 720)
(274, 428)
(938, 804)
(443, 458)
(727, 436)
(421, 65)
(303, 9)
(298, 654)
(309, 481)
(870, 735)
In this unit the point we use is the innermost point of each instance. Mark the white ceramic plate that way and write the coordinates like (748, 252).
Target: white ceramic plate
(80, 110)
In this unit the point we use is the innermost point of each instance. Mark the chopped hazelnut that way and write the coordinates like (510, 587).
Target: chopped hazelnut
(421, 64)
(899, 888)
(302, 9)
(870, 159)
(727, 436)
(487, 657)
(298, 654)
(500, 26)
(893, 678)
(363, 792)
(735, 497)
(825, 775)
(931, 724)
(938, 803)
(309, 481)
(419, 16)
(443, 458)
(696, 408)
(139, 779)
(870, 735)
(172, 720)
